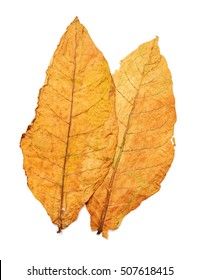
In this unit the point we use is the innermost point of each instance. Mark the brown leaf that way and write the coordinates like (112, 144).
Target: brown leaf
(70, 145)
(146, 116)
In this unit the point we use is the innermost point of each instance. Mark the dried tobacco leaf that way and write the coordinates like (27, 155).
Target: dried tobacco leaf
(146, 116)
(70, 145)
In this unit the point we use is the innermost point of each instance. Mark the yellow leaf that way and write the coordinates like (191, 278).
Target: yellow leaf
(70, 145)
(146, 116)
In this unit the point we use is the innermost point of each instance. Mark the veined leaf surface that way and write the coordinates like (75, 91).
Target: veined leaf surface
(145, 109)
(70, 145)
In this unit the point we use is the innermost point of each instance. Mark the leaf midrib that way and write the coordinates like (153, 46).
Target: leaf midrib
(68, 137)
(115, 166)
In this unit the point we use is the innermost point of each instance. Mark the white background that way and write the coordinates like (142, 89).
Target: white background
(163, 231)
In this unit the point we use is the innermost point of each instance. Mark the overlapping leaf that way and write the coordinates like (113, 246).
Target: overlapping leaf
(146, 117)
(70, 145)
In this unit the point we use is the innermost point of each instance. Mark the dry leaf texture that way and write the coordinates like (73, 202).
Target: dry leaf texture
(146, 116)
(70, 145)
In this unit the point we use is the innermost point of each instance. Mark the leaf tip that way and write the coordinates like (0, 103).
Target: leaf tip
(76, 19)
(156, 40)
